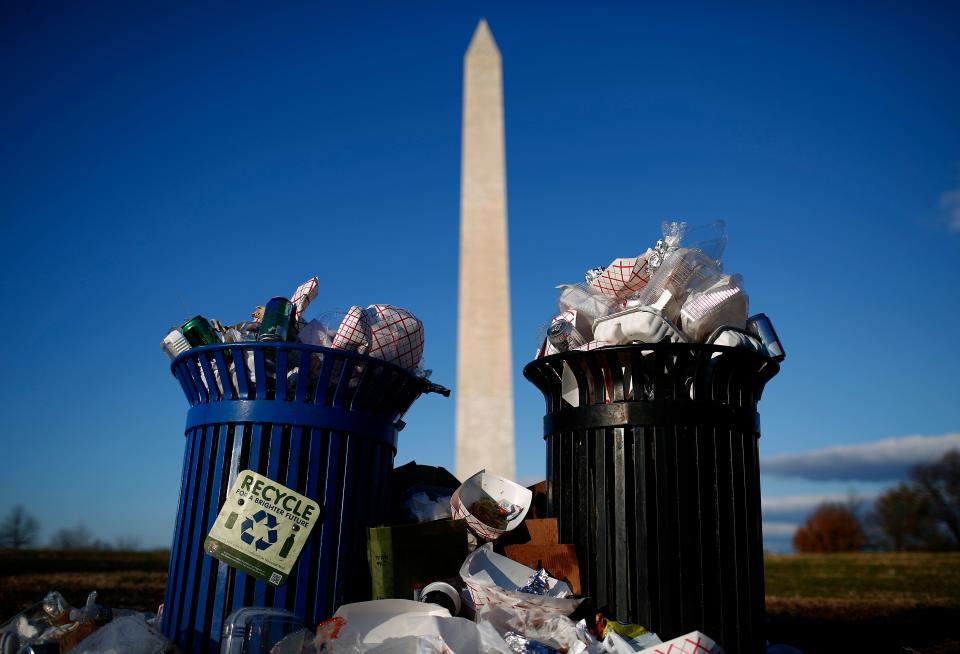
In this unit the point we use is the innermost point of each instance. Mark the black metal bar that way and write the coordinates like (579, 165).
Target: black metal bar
(654, 477)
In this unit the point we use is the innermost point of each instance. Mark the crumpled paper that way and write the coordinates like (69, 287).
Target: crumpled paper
(383, 331)
(303, 296)
(491, 578)
(692, 643)
(642, 324)
(404, 626)
(623, 277)
(553, 630)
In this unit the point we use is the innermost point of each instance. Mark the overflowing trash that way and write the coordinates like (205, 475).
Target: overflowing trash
(455, 567)
(383, 331)
(676, 292)
(490, 604)
(53, 626)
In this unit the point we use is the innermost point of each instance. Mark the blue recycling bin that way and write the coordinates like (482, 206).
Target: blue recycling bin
(321, 421)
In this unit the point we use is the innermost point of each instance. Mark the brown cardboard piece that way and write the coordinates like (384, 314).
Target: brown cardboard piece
(560, 561)
(535, 544)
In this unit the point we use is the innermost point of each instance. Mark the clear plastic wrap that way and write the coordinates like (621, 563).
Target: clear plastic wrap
(586, 301)
(721, 302)
(682, 270)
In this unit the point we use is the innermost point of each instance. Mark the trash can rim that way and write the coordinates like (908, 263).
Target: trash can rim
(282, 345)
(654, 347)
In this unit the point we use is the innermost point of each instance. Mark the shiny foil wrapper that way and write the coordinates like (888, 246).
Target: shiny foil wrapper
(592, 274)
(537, 584)
(520, 644)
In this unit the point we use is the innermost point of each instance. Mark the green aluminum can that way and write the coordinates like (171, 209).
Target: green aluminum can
(198, 332)
(279, 321)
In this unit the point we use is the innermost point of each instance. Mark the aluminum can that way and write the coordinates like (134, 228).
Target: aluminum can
(761, 327)
(198, 331)
(279, 321)
(174, 344)
(563, 336)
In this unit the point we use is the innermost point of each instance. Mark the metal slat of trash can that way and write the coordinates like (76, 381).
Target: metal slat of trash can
(330, 434)
(653, 473)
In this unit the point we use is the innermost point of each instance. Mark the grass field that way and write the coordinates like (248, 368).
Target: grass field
(871, 603)
(865, 602)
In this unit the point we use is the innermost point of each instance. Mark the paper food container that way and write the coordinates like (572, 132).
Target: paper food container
(692, 643)
(493, 579)
(490, 504)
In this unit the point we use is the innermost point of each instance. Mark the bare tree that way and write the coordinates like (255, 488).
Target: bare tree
(74, 538)
(19, 529)
(127, 543)
(940, 481)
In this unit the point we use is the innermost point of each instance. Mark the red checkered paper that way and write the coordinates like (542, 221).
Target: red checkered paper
(383, 331)
(623, 277)
(303, 296)
(397, 335)
(692, 643)
(354, 332)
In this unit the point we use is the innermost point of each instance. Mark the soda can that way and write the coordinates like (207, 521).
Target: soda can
(199, 332)
(174, 344)
(279, 321)
(761, 327)
(563, 336)
(559, 334)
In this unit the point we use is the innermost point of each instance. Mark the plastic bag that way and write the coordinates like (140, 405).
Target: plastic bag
(125, 634)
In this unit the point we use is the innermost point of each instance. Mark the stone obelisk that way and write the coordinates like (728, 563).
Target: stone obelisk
(484, 372)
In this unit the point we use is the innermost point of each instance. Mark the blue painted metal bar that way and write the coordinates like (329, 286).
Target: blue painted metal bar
(333, 440)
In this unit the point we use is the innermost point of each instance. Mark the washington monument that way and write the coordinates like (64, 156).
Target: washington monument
(484, 375)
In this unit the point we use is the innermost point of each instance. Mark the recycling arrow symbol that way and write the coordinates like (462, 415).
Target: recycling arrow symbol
(246, 529)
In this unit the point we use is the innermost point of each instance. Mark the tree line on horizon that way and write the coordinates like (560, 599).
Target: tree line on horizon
(20, 530)
(921, 514)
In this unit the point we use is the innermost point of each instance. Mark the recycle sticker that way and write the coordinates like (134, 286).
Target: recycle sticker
(261, 528)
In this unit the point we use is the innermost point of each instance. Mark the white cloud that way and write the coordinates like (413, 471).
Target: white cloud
(781, 529)
(797, 503)
(950, 202)
(798, 507)
(886, 460)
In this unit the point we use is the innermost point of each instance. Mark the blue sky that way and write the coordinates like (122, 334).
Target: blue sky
(164, 161)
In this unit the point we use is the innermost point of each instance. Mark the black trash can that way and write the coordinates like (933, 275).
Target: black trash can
(653, 473)
(321, 421)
